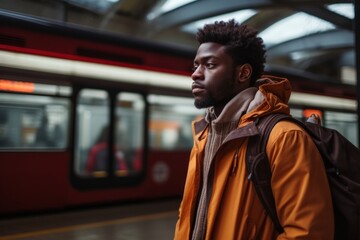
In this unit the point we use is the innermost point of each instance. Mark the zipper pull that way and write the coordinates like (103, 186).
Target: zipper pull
(251, 171)
(235, 161)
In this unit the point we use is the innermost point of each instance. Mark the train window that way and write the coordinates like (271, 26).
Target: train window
(170, 122)
(297, 113)
(33, 122)
(91, 133)
(129, 127)
(345, 123)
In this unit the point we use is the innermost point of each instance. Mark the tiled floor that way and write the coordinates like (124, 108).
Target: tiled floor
(138, 221)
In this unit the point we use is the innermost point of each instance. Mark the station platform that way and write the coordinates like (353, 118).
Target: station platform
(153, 220)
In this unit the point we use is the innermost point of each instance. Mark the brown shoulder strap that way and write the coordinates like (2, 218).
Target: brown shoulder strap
(258, 166)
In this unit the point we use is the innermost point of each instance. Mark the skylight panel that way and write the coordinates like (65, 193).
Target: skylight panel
(294, 26)
(172, 4)
(239, 16)
(345, 9)
(94, 5)
(167, 6)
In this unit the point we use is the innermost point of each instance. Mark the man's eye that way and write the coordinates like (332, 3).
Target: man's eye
(210, 65)
(194, 68)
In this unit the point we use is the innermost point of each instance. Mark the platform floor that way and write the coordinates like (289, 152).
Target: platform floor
(136, 221)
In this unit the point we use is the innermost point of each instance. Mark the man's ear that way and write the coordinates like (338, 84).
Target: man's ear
(244, 72)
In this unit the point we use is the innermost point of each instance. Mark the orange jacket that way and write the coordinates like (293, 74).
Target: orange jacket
(299, 181)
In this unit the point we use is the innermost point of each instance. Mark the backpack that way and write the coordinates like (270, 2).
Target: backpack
(341, 160)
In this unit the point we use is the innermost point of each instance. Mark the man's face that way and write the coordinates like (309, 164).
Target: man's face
(214, 76)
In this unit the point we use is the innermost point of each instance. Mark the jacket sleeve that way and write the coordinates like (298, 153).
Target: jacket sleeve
(299, 184)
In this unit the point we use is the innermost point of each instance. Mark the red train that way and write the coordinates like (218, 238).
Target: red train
(89, 118)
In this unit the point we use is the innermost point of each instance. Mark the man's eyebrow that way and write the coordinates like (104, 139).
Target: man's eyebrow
(205, 58)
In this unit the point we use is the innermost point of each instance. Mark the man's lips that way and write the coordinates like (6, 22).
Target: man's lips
(196, 88)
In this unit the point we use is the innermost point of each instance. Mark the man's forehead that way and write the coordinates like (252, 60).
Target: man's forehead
(210, 49)
(211, 46)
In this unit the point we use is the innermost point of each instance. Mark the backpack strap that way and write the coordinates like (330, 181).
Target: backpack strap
(258, 166)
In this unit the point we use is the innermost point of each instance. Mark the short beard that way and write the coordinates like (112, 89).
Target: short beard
(204, 103)
(210, 101)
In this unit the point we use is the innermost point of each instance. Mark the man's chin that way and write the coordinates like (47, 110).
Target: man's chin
(199, 104)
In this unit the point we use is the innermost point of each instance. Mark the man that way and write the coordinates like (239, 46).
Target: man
(219, 201)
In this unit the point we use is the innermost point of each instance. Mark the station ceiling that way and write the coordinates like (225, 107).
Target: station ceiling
(314, 37)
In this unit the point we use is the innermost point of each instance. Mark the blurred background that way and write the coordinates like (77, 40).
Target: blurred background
(96, 105)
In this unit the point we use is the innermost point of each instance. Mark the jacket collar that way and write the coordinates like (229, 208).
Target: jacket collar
(245, 131)
(274, 89)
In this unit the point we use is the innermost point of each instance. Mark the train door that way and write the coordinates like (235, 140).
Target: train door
(127, 138)
(108, 122)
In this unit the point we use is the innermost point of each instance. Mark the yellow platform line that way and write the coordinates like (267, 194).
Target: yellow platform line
(91, 225)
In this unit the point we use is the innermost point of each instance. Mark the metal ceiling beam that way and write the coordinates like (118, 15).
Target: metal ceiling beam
(324, 40)
(207, 8)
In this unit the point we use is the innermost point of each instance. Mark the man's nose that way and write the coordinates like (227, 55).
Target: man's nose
(198, 74)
